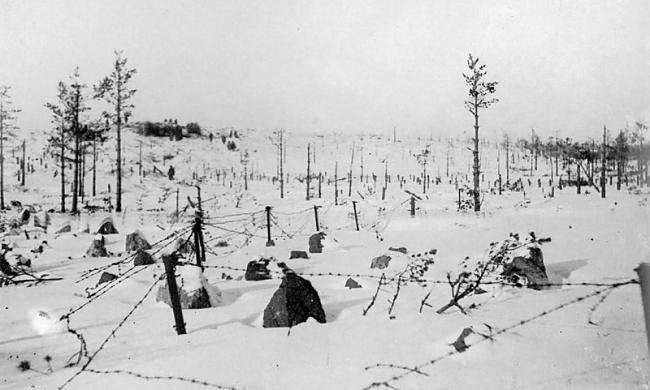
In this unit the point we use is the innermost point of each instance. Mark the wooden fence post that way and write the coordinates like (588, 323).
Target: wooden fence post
(170, 267)
(356, 218)
(412, 206)
(316, 218)
(644, 279)
(269, 242)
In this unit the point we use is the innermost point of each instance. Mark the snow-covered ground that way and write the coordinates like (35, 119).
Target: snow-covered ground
(593, 240)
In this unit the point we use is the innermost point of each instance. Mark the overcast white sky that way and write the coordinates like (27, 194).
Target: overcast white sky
(341, 65)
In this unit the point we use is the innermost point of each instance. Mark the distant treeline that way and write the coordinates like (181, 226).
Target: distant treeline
(168, 128)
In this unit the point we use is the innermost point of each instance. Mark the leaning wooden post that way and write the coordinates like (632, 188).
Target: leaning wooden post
(269, 242)
(412, 206)
(356, 218)
(170, 269)
(603, 177)
(459, 190)
(644, 279)
(316, 218)
(22, 167)
(197, 240)
(579, 179)
(177, 190)
(336, 184)
(308, 172)
(320, 181)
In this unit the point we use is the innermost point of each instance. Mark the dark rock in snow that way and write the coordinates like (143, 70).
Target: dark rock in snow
(293, 303)
(380, 262)
(97, 247)
(107, 227)
(316, 242)
(530, 267)
(5, 267)
(298, 255)
(351, 283)
(24, 215)
(257, 270)
(135, 241)
(194, 291)
(460, 345)
(197, 299)
(106, 277)
(143, 258)
(401, 249)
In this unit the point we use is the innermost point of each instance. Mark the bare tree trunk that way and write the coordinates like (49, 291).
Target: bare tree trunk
(94, 164)
(2, 159)
(281, 165)
(477, 204)
(22, 167)
(75, 182)
(603, 173)
(336, 183)
(308, 172)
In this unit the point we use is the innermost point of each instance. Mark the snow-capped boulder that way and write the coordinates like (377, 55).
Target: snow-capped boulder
(527, 263)
(135, 241)
(106, 226)
(194, 291)
(293, 303)
(258, 270)
(98, 247)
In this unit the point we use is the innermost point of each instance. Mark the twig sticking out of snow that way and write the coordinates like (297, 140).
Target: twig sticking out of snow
(492, 336)
(374, 297)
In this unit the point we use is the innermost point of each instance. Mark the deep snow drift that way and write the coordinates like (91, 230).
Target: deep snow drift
(593, 240)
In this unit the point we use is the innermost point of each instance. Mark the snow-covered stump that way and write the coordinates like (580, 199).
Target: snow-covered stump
(194, 291)
(135, 241)
(97, 248)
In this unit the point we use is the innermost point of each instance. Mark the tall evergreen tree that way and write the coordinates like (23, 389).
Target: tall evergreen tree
(114, 89)
(7, 126)
(479, 98)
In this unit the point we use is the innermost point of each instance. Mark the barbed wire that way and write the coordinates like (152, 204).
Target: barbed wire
(161, 377)
(112, 333)
(432, 281)
(96, 270)
(418, 368)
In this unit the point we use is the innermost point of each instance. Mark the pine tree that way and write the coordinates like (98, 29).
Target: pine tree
(7, 126)
(479, 97)
(114, 89)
